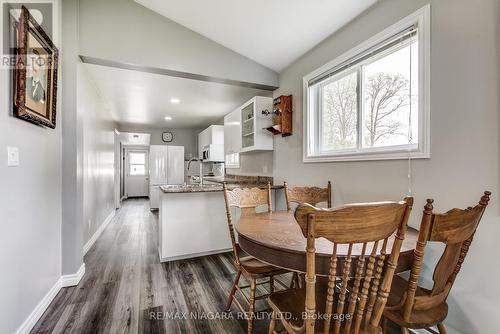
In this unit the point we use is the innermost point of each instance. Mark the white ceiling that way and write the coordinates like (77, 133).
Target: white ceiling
(273, 33)
(139, 98)
(135, 139)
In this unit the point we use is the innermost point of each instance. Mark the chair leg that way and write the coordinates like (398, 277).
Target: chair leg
(251, 310)
(233, 290)
(295, 283)
(302, 280)
(272, 324)
(404, 330)
(442, 329)
(384, 325)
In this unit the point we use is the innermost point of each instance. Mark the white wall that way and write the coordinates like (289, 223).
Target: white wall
(98, 154)
(124, 31)
(182, 137)
(30, 212)
(465, 146)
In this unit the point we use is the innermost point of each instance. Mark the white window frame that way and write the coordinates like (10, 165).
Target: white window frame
(145, 164)
(235, 156)
(421, 18)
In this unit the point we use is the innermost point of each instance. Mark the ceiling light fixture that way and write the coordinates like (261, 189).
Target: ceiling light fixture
(168, 118)
(175, 100)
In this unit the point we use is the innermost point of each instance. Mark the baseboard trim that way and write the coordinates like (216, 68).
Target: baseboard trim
(73, 279)
(98, 233)
(41, 307)
(189, 256)
(32, 319)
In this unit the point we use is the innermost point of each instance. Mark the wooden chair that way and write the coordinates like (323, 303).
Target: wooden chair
(248, 199)
(309, 195)
(411, 306)
(358, 286)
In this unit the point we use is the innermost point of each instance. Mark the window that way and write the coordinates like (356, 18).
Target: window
(372, 102)
(232, 160)
(137, 162)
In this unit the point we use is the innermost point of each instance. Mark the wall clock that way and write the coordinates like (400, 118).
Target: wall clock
(167, 136)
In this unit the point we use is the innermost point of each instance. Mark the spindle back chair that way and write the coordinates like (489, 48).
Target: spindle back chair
(411, 306)
(353, 302)
(309, 195)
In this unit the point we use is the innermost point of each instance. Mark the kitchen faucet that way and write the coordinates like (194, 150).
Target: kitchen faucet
(201, 168)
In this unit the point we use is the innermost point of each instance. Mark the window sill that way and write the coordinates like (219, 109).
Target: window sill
(366, 157)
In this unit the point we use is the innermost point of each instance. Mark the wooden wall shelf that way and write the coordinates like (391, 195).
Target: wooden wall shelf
(282, 116)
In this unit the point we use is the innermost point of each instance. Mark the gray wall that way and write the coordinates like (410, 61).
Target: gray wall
(254, 163)
(72, 144)
(465, 146)
(124, 31)
(98, 154)
(182, 137)
(259, 163)
(30, 208)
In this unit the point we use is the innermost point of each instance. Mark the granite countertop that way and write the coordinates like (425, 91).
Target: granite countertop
(191, 188)
(216, 185)
(244, 181)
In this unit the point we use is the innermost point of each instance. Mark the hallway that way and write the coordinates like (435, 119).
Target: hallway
(124, 282)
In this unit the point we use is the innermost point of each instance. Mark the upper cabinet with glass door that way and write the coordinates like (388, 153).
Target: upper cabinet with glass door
(255, 118)
(232, 139)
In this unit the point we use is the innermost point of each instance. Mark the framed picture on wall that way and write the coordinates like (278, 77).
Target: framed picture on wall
(35, 73)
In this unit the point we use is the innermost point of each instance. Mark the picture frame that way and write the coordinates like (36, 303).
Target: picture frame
(35, 77)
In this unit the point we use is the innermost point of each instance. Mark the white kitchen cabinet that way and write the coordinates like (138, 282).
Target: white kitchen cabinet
(213, 135)
(255, 118)
(232, 139)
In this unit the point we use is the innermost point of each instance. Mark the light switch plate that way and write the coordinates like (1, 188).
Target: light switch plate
(12, 156)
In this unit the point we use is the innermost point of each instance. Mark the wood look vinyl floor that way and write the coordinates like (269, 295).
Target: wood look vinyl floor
(127, 290)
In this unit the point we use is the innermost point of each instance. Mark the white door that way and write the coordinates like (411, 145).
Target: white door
(137, 177)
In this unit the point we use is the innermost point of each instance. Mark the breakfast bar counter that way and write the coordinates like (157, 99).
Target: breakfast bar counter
(193, 222)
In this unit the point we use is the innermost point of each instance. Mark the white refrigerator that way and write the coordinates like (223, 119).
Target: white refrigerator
(166, 166)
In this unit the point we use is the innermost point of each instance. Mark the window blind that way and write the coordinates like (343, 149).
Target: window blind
(396, 39)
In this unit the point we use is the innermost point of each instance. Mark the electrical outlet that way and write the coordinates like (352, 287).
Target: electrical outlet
(12, 156)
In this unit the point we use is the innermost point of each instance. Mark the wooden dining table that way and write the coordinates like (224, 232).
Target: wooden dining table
(276, 238)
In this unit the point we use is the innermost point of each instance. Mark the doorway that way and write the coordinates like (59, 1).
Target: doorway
(136, 172)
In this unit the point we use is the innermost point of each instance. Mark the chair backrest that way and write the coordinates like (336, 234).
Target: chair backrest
(308, 195)
(365, 229)
(246, 199)
(455, 229)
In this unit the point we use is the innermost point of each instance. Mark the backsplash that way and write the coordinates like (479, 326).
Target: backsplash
(248, 179)
(258, 163)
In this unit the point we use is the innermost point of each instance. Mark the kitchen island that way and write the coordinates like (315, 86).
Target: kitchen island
(193, 221)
